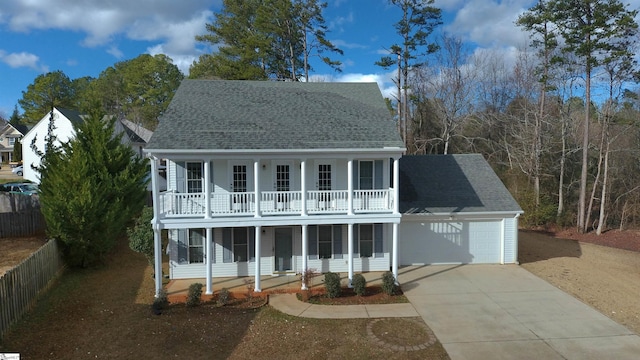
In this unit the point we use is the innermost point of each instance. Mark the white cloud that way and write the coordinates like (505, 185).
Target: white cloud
(113, 50)
(183, 62)
(342, 44)
(173, 24)
(22, 59)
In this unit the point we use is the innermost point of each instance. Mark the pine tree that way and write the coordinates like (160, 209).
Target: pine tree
(91, 188)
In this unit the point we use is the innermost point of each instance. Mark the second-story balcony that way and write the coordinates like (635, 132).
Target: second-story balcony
(272, 203)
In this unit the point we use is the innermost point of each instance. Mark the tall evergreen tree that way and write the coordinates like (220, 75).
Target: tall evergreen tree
(270, 39)
(91, 188)
(595, 31)
(419, 19)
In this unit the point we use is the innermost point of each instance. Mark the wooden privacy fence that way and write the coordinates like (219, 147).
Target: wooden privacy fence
(24, 223)
(20, 286)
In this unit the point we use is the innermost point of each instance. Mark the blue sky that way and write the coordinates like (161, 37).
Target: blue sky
(82, 38)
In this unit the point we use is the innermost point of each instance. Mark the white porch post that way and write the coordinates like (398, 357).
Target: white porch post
(157, 254)
(303, 186)
(157, 239)
(305, 253)
(350, 247)
(209, 260)
(207, 189)
(396, 186)
(394, 261)
(256, 186)
(257, 256)
(350, 186)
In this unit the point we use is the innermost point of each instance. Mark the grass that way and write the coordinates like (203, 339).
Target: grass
(106, 313)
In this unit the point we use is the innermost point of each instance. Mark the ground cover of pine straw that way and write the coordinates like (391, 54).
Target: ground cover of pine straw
(105, 313)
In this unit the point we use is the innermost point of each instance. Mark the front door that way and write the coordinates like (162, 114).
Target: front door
(283, 249)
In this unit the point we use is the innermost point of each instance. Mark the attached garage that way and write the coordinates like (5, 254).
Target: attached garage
(457, 212)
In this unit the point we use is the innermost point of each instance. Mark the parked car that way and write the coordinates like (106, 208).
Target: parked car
(20, 188)
(17, 170)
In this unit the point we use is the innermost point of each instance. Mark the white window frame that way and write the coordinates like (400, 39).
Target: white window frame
(373, 177)
(234, 245)
(332, 177)
(203, 236)
(330, 241)
(362, 240)
(192, 181)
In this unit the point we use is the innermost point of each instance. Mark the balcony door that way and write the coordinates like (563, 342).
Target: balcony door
(241, 185)
(283, 250)
(282, 180)
(325, 182)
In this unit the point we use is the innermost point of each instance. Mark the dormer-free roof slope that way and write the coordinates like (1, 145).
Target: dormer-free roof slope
(246, 115)
(450, 184)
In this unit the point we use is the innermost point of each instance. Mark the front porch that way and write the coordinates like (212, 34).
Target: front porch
(242, 286)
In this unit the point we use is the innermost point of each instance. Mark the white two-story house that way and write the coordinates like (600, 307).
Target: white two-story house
(272, 178)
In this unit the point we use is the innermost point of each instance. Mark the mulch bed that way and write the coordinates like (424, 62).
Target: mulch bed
(373, 295)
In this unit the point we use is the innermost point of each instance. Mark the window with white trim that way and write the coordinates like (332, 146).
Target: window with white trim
(325, 241)
(366, 175)
(324, 177)
(194, 177)
(239, 178)
(240, 244)
(365, 238)
(12, 141)
(196, 245)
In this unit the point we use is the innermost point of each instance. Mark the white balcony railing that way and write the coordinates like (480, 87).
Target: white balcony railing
(275, 203)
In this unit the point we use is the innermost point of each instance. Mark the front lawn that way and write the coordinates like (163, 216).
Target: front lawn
(106, 313)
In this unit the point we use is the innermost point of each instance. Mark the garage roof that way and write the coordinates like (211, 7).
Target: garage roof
(446, 184)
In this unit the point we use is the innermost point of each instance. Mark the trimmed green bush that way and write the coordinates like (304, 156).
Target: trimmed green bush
(388, 283)
(359, 284)
(194, 294)
(160, 302)
(332, 284)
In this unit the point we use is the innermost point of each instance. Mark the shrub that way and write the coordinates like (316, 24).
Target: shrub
(141, 235)
(307, 276)
(332, 284)
(359, 284)
(223, 297)
(194, 294)
(388, 283)
(160, 302)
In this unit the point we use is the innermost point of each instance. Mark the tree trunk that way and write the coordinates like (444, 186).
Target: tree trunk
(582, 225)
(603, 195)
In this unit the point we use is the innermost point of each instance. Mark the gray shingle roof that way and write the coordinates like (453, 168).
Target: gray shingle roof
(445, 184)
(223, 114)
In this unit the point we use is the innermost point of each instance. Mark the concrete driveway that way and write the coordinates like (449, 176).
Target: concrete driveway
(505, 312)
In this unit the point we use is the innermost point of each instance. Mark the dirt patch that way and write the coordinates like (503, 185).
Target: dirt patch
(15, 250)
(604, 277)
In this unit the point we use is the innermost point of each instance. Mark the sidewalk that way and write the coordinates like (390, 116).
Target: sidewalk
(289, 304)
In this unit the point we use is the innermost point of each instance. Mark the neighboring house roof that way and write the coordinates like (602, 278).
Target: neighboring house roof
(134, 132)
(238, 115)
(74, 116)
(448, 184)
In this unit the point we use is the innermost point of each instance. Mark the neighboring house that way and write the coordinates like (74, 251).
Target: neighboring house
(9, 136)
(271, 178)
(64, 121)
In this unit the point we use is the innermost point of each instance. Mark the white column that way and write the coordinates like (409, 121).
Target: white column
(155, 224)
(256, 186)
(303, 186)
(350, 186)
(257, 255)
(209, 259)
(394, 254)
(207, 189)
(396, 186)
(350, 247)
(305, 253)
(157, 254)
(155, 190)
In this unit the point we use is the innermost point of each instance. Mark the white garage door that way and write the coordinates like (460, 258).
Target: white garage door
(450, 242)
